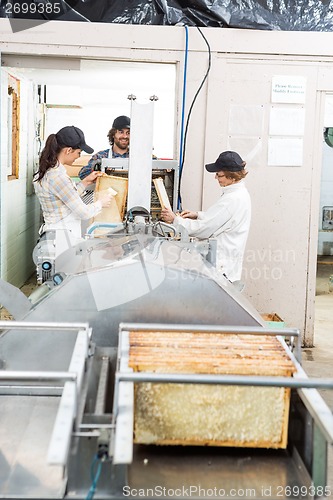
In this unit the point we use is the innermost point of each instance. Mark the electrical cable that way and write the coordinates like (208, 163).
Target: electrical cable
(182, 159)
(183, 115)
(94, 476)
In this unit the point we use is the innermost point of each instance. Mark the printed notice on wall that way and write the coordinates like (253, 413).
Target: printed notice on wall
(328, 117)
(288, 89)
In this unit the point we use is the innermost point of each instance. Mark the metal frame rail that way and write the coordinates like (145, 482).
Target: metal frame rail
(72, 383)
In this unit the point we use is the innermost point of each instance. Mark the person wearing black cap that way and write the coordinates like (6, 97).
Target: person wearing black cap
(118, 136)
(227, 220)
(62, 206)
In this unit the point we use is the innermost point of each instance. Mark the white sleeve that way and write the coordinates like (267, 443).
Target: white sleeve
(214, 219)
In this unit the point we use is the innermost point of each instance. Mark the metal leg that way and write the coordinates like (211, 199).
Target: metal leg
(319, 469)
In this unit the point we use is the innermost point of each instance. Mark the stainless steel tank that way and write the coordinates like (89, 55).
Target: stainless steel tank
(105, 281)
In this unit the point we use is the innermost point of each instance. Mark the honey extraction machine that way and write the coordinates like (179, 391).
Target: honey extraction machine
(118, 315)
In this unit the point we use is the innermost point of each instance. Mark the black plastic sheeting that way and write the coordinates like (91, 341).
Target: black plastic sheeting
(285, 15)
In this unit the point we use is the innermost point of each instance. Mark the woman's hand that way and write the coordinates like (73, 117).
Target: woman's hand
(167, 215)
(187, 214)
(105, 199)
(91, 178)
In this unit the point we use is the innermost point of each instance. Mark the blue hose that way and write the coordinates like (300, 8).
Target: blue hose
(108, 225)
(94, 477)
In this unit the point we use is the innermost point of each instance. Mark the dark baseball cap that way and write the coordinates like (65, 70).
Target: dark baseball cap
(73, 137)
(121, 122)
(227, 161)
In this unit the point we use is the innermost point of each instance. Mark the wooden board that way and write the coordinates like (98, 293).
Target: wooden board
(210, 415)
(161, 193)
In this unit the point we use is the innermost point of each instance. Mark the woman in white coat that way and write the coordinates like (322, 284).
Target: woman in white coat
(227, 220)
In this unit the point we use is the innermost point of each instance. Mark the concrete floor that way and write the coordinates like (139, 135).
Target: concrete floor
(317, 361)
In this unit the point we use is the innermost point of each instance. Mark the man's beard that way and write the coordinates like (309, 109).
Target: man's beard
(121, 145)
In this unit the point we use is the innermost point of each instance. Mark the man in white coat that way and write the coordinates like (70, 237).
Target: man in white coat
(227, 220)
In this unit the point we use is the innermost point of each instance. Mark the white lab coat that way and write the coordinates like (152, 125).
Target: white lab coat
(228, 220)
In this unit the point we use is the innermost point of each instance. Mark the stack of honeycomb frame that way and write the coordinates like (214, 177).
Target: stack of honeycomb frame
(210, 415)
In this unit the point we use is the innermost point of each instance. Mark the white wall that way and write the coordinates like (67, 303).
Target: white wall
(19, 211)
(285, 199)
(240, 108)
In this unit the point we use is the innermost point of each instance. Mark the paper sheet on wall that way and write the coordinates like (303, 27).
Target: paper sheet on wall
(246, 120)
(285, 152)
(288, 88)
(328, 117)
(245, 132)
(140, 159)
(250, 148)
(286, 121)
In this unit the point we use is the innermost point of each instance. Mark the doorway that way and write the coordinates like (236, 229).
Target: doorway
(325, 230)
(87, 93)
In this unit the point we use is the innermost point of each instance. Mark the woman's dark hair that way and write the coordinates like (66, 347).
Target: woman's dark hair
(110, 135)
(49, 156)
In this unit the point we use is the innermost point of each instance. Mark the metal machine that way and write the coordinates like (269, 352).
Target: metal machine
(64, 432)
(66, 412)
(66, 403)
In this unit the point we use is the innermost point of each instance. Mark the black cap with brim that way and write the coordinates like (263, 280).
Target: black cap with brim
(228, 161)
(73, 137)
(121, 122)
